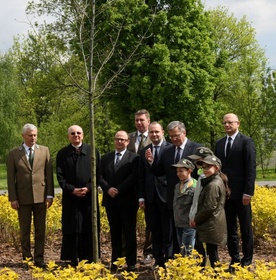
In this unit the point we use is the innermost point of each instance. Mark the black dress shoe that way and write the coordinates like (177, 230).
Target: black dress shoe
(230, 269)
(131, 267)
(40, 264)
(74, 263)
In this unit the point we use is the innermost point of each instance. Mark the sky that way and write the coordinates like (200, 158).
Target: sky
(260, 13)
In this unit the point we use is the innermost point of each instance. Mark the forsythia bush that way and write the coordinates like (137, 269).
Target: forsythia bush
(189, 268)
(264, 213)
(264, 225)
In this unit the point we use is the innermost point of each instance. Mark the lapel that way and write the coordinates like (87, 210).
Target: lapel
(122, 161)
(147, 142)
(187, 150)
(132, 140)
(23, 156)
(235, 144)
(222, 148)
(36, 156)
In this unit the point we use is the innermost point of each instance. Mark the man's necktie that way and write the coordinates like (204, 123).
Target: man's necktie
(156, 153)
(118, 158)
(177, 157)
(141, 143)
(228, 147)
(31, 157)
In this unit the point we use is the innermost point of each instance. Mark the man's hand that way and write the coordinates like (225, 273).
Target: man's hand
(246, 199)
(15, 204)
(49, 202)
(149, 156)
(192, 223)
(113, 192)
(80, 192)
(142, 204)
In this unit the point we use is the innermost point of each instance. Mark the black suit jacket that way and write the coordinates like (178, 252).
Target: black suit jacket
(164, 167)
(239, 166)
(148, 182)
(124, 178)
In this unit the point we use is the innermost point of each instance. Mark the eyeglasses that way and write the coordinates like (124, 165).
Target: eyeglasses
(121, 140)
(225, 123)
(76, 133)
(176, 136)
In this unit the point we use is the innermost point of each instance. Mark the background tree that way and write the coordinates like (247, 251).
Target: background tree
(240, 70)
(172, 75)
(10, 96)
(72, 36)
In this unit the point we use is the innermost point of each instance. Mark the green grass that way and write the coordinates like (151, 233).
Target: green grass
(3, 177)
(269, 175)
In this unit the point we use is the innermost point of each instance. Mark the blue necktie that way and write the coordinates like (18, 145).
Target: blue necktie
(177, 157)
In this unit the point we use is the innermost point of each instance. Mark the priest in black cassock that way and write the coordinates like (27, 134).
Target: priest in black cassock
(73, 166)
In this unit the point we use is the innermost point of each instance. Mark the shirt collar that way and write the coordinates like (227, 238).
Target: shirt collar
(122, 152)
(144, 133)
(27, 148)
(233, 136)
(182, 146)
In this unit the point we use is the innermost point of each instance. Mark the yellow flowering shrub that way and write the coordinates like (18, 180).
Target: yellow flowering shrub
(189, 268)
(264, 213)
(9, 225)
(264, 225)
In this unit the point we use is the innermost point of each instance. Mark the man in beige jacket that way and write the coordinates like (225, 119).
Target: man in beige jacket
(31, 190)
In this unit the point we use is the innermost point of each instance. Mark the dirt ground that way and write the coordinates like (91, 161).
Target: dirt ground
(11, 258)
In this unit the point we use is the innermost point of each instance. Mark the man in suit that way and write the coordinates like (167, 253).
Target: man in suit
(73, 165)
(182, 147)
(140, 138)
(153, 197)
(137, 140)
(118, 180)
(238, 156)
(31, 190)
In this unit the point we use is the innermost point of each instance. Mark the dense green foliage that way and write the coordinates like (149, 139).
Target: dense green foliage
(173, 58)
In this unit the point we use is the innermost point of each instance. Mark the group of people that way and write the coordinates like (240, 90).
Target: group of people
(190, 195)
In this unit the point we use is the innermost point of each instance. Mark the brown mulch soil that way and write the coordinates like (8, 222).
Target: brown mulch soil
(11, 258)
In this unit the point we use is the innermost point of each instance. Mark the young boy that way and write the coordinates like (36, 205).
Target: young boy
(182, 202)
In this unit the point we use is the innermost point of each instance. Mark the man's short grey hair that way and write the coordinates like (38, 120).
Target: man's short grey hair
(174, 124)
(27, 127)
(70, 128)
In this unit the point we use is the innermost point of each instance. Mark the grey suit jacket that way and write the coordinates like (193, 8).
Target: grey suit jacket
(30, 185)
(132, 139)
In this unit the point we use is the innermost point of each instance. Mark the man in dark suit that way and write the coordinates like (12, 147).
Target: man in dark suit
(73, 165)
(118, 180)
(31, 190)
(238, 156)
(182, 147)
(137, 140)
(153, 197)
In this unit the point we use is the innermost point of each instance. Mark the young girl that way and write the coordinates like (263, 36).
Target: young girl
(210, 218)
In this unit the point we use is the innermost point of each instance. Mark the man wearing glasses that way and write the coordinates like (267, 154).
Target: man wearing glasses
(73, 166)
(119, 182)
(238, 156)
(182, 147)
